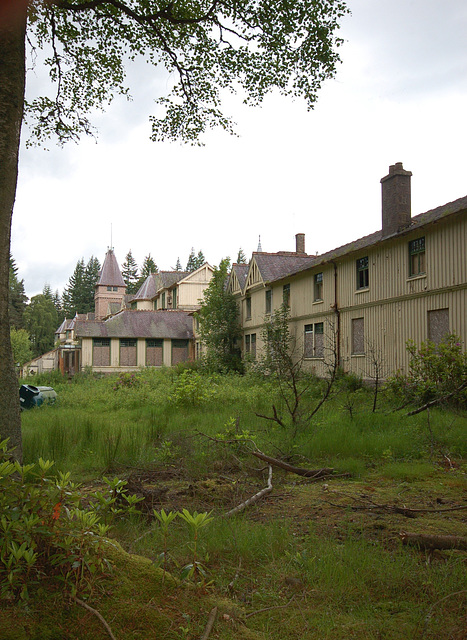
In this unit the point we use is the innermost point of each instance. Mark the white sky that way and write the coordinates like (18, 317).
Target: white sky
(400, 95)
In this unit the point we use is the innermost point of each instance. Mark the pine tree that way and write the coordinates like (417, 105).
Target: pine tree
(17, 298)
(149, 266)
(178, 266)
(130, 273)
(90, 278)
(200, 259)
(241, 257)
(191, 264)
(74, 296)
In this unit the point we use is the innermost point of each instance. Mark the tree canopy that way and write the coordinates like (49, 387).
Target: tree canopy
(206, 47)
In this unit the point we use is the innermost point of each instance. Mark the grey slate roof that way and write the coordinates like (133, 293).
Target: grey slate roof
(139, 324)
(147, 290)
(418, 222)
(241, 271)
(274, 266)
(110, 274)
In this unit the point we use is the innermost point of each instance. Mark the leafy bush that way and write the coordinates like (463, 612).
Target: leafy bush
(435, 371)
(192, 389)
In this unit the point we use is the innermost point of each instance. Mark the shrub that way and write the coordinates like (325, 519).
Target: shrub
(435, 371)
(192, 389)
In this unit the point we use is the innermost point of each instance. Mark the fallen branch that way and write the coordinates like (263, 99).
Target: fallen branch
(231, 584)
(96, 613)
(431, 542)
(254, 498)
(436, 401)
(307, 473)
(279, 606)
(211, 619)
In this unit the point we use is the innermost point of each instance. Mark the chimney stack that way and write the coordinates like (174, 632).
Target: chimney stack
(395, 192)
(300, 243)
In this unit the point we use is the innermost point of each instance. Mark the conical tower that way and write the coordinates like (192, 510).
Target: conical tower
(110, 287)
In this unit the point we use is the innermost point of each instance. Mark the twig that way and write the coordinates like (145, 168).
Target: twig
(211, 619)
(307, 473)
(436, 401)
(231, 584)
(430, 610)
(254, 498)
(280, 606)
(96, 613)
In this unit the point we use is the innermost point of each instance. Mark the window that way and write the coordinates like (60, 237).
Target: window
(163, 301)
(174, 299)
(362, 273)
(358, 336)
(417, 257)
(438, 325)
(286, 295)
(268, 301)
(248, 308)
(128, 352)
(179, 351)
(154, 352)
(314, 340)
(250, 344)
(101, 352)
(318, 286)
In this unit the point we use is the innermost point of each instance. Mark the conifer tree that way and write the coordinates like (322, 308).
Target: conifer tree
(241, 257)
(149, 266)
(90, 278)
(191, 264)
(200, 259)
(17, 298)
(178, 266)
(73, 296)
(130, 273)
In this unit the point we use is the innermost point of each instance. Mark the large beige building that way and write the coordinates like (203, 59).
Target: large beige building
(368, 297)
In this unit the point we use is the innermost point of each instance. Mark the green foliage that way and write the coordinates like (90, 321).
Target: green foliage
(192, 389)
(47, 536)
(127, 380)
(17, 298)
(195, 261)
(219, 323)
(20, 345)
(241, 257)
(78, 295)
(435, 371)
(195, 521)
(41, 321)
(130, 273)
(254, 49)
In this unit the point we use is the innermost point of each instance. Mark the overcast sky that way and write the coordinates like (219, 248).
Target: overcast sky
(400, 95)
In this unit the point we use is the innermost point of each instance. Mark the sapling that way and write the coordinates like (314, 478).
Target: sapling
(165, 519)
(195, 522)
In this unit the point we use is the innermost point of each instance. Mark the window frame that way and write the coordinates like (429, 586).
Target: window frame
(363, 273)
(286, 294)
(268, 302)
(417, 250)
(318, 287)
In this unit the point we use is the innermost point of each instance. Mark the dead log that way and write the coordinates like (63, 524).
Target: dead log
(431, 542)
(306, 473)
(254, 498)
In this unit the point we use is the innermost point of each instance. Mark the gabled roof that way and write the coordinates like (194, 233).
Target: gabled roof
(172, 324)
(110, 274)
(418, 222)
(239, 273)
(165, 279)
(273, 266)
(64, 326)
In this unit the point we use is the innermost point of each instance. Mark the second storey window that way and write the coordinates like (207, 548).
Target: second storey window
(286, 295)
(268, 308)
(318, 289)
(248, 308)
(163, 301)
(363, 280)
(417, 265)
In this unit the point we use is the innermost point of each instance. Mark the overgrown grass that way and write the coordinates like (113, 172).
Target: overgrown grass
(334, 576)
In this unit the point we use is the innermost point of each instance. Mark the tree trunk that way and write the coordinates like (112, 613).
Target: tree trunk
(12, 81)
(430, 542)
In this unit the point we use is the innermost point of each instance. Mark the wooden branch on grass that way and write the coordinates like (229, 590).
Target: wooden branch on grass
(96, 613)
(211, 620)
(436, 401)
(431, 542)
(254, 498)
(307, 473)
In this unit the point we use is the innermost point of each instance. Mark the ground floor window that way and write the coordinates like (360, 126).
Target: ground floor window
(250, 344)
(128, 352)
(154, 352)
(314, 340)
(358, 336)
(438, 325)
(179, 351)
(101, 352)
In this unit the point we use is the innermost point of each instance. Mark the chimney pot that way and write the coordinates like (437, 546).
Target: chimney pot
(395, 195)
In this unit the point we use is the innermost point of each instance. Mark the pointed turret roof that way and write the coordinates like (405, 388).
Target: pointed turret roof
(110, 274)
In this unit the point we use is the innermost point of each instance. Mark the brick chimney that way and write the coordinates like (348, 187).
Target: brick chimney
(395, 192)
(300, 243)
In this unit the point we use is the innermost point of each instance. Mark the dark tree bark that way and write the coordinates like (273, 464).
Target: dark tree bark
(12, 80)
